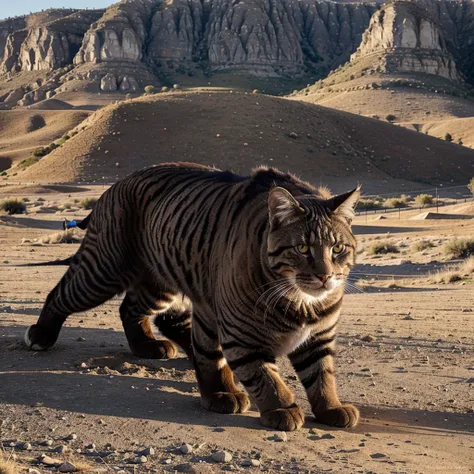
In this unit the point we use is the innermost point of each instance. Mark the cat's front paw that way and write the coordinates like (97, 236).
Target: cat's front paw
(284, 419)
(226, 402)
(344, 416)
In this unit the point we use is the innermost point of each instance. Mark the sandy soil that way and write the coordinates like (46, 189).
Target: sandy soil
(405, 358)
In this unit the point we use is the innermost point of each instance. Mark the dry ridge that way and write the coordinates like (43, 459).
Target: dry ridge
(239, 131)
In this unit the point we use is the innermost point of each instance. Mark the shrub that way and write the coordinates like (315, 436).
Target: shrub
(459, 248)
(13, 206)
(150, 89)
(28, 162)
(448, 137)
(367, 204)
(390, 118)
(379, 248)
(88, 203)
(421, 245)
(470, 186)
(3, 173)
(424, 200)
(396, 202)
(40, 152)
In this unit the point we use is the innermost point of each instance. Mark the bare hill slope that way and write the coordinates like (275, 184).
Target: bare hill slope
(240, 131)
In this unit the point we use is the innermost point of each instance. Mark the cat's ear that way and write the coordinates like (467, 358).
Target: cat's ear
(344, 204)
(283, 208)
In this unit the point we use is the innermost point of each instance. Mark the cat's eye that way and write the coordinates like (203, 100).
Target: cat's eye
(338, 248)
(302, 249)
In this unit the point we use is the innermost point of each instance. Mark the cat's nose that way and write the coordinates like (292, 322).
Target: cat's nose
(323, 278)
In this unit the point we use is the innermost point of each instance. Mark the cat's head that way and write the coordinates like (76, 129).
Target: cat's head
(310, 242)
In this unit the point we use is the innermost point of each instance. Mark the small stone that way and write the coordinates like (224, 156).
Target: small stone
(80, 339)
(368, 338)
(378, 456)
(327, 436)
(33, 471)
(48, 442)
(25, 446)
(149, 451)
(140, 460)
(71, 437)
(48, 461)
(67, 467)
(167, 461)
(293, 135)
(221, 456)
(186, 448)
(250, 462)
(186, 467)
(61, 449)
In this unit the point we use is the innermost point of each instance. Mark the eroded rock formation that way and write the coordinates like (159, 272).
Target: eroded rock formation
(407, 37)
(133, 38)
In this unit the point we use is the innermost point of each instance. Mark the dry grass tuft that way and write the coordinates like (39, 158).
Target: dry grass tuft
(459, 248)
(379, 248)
(421, 245)
(460, 272)
(8, 466)
(66, 237)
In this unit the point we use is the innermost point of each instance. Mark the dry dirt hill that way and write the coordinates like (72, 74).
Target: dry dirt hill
(23, 130)
(240, 131)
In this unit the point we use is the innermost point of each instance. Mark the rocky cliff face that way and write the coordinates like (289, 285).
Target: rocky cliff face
(265, 37)
(408, 37)
(43, 45)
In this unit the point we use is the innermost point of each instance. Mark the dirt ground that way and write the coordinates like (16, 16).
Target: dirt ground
(405, 359)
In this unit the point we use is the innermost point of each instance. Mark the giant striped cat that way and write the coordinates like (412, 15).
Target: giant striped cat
(240, 270)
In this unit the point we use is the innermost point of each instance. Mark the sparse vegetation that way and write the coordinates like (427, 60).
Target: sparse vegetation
(448, 137)
(459, 248)
(8, 467)
(380, 248)
(423, 200)
(455, 273)
(13, 206)
(67, 237)
(45, 150)
(28, 162)
(390, 118)
(421, 245)
(3, 173)
(150, 89)
(396, 202)
(368, 204)
(88, 203)
(470, 186)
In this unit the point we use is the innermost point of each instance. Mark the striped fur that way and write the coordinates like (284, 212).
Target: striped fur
(238, 270)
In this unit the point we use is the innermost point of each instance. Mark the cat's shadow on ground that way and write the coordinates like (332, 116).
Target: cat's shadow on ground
(55, 379)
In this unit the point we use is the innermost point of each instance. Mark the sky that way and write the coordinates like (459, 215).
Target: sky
(9, 8)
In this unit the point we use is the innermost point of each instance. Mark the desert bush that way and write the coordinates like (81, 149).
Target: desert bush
(165, 89)
(390, 118)
(423, 200)
(459, 247)
(448, 137)
(421, 245)
(367, 204)
(462, 271)
(470, 186)
(13, 206)
(379, 248)
(151, 89)
(3, 173)
(88, 203)
(28, 162)
(396, 202)
(35, 123)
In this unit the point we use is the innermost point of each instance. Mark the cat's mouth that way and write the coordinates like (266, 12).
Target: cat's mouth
(315, 288)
